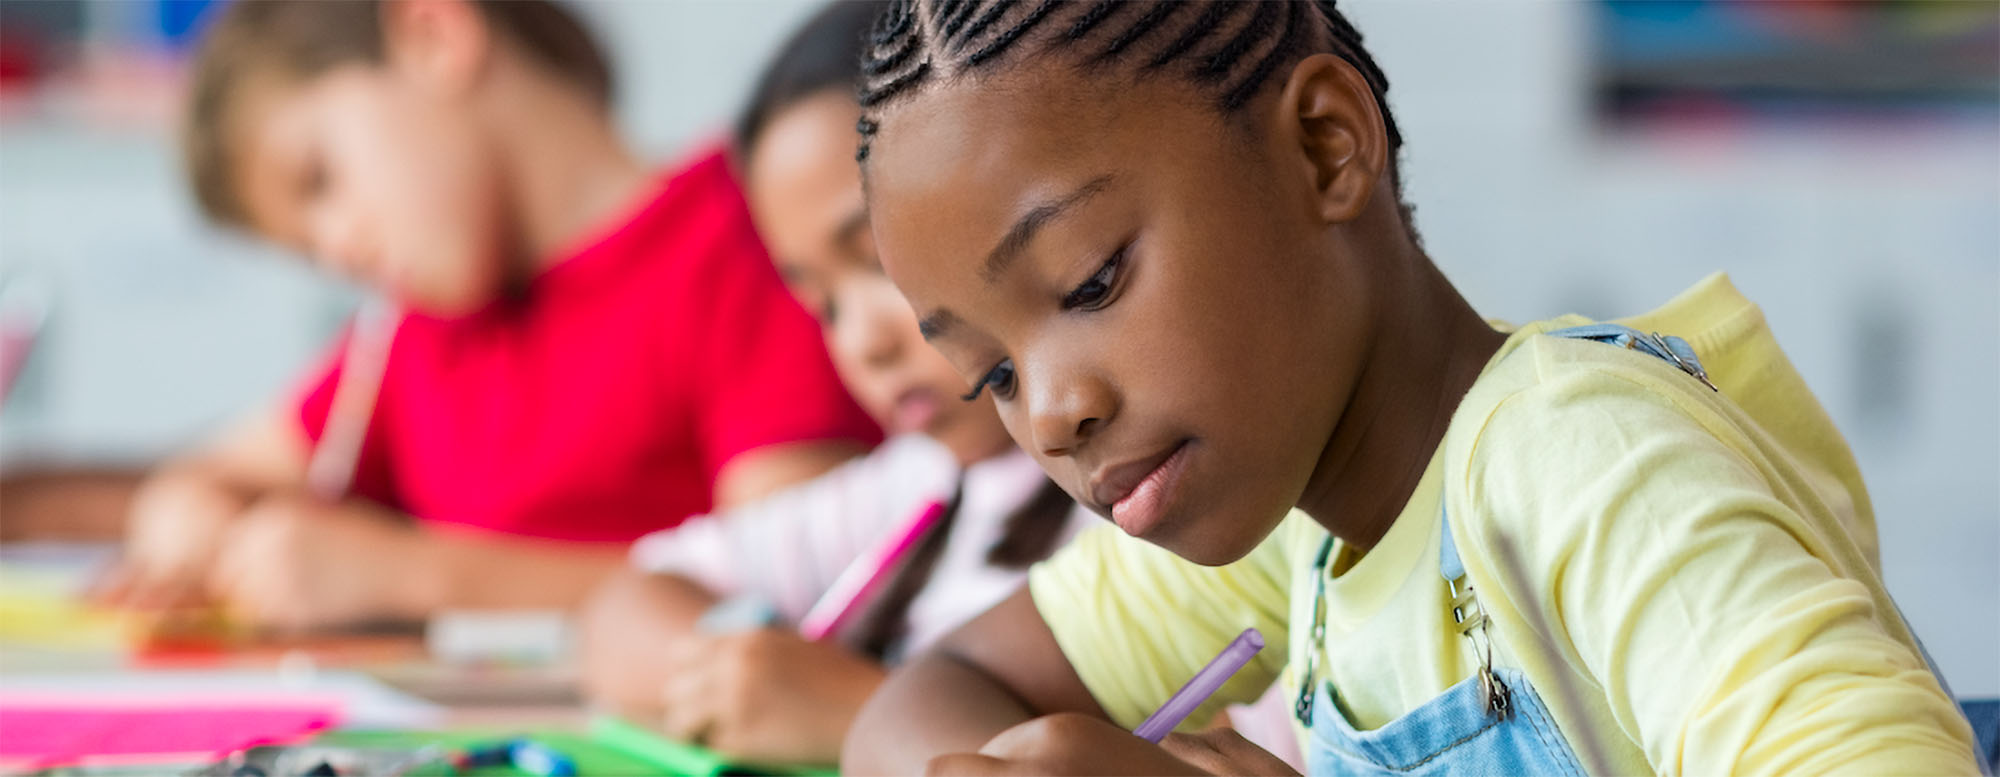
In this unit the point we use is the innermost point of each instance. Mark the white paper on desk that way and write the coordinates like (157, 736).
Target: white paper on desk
(69, 567)
(365, 701)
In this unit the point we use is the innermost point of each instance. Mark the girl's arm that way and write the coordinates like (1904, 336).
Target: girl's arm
(787, 548)
(998, 670)
(1139, 621)
(1705, 585)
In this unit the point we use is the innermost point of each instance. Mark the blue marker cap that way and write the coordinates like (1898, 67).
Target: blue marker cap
(540, 760)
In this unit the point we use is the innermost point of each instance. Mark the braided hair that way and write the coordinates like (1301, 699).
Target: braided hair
(1227, 48)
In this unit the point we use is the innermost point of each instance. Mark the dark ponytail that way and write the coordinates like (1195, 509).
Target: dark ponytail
(1033, 529)
(1031, 534)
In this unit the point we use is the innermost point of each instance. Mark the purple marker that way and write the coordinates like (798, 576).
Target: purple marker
(1203, 685)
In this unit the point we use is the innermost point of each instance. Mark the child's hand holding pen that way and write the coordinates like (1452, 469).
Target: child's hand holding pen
(1070, 743)
(296, 564)
(177, 522)
(765, 695)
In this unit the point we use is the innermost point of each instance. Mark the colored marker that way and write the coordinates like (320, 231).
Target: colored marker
(525, 755)
(1203, 685)
(540, 760)
(860, 579)
(330, 468)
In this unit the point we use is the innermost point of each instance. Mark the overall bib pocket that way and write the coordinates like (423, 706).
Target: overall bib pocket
(1455, 733)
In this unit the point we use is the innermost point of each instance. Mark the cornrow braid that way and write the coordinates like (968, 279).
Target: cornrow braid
(1221, 49)
(1091, 18)
(1211, 18)
(1253, 82)
(950, 20)
(892, 86)
(1348, 41)
(986, 19)
(1154, 16)
(1006, 39)
(1254, 31)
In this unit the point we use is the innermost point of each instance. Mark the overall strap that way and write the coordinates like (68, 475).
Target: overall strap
(1672, 350)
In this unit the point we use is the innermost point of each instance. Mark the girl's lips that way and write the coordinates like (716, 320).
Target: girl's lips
(914, 410)
(1142, 505)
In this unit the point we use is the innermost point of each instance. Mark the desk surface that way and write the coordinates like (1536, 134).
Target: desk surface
(51, 643)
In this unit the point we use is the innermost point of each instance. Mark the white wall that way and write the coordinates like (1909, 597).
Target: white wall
(1875, 254)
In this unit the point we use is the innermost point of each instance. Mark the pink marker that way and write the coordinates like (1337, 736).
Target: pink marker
(1203, 685)
(24, 307)
(860, 579)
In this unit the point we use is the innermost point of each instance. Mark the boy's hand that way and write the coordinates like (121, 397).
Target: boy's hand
(1084, 745)
(765, 696)
(294, 564)
(176, 525)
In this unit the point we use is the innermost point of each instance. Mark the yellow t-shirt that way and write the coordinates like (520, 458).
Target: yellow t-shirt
(1688, 579)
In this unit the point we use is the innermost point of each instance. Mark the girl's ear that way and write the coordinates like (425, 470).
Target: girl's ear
(442, 44)
(1342, 145)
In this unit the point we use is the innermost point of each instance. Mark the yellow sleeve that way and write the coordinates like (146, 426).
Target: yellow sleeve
(1649, 541)
(1136, 621)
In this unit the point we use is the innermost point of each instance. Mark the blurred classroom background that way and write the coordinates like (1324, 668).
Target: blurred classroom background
(1840, 160)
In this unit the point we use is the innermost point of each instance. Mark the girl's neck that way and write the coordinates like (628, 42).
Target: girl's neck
(566, 171)
(1424, 358)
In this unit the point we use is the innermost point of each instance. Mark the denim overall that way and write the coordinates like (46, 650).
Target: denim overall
(1492, 723)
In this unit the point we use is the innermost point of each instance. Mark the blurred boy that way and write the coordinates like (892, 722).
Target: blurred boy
(591, 351)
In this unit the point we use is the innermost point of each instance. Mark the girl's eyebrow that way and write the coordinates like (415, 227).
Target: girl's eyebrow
(937, 323)
(934, 326)
(1023, 232)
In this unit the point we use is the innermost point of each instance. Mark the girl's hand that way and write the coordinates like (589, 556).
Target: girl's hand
(765, 696)
(294, 564)
(1072, 744)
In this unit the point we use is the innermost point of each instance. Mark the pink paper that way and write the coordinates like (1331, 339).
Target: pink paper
(41, 732)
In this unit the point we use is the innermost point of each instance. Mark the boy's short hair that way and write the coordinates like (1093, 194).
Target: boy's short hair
(287, 42)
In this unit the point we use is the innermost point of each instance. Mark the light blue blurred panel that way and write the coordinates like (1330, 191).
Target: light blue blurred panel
(160, 328)
(684, 65)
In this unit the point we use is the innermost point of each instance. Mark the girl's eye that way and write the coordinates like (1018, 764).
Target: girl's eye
(1000, 378)
(1094, 293)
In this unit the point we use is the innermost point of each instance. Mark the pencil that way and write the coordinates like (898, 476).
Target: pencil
(330, 470)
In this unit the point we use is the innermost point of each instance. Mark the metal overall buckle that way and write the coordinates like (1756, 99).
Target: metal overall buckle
(1472, 621)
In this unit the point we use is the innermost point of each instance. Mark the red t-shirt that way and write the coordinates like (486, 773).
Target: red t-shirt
(600, 405)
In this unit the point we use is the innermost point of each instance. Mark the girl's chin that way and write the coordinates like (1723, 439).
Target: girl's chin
(1211, 538)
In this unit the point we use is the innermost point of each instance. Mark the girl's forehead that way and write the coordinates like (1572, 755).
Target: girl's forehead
(950, 169)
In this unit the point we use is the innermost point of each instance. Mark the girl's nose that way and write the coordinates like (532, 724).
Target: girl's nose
(1066, 409)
